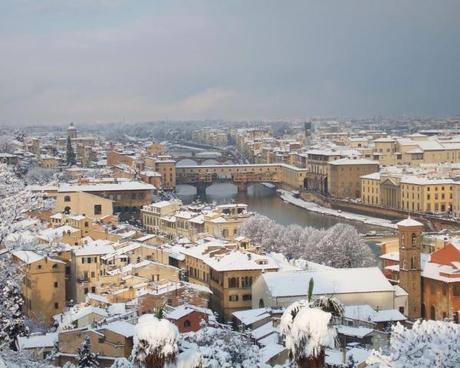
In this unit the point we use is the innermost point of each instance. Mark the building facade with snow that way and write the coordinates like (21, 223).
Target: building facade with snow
(350, 285)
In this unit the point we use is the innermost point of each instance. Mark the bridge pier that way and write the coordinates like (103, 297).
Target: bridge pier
(242, 187)
(201, 188)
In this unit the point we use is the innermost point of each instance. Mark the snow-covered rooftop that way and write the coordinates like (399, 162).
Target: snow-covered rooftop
(327, 282)
(130, 185)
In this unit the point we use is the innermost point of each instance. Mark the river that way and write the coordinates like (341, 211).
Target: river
(266, 202)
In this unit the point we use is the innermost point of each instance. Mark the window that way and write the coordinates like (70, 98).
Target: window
(187, 323)
(247, 297)
(93, 289)
(414, 239)
(86, 291)
(56, 305)
(67, 198)
(56, 284)
(55, 266)
(83, 260)
(92, 274)
(233, 282)
(89, 260)
(456, 290)
(233, 298)
(97, 209)
(39, 267)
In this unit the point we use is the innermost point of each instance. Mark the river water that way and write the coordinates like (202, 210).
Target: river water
(265, 201)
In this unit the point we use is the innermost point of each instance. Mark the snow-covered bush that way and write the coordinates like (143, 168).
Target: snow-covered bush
(86, 358)
(428, 344)
(339, 246)
(15, 201)
(307, 332)
(155, 342)
(223, 347)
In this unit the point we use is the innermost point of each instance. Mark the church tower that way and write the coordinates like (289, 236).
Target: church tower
(410, 270)
(72, 131)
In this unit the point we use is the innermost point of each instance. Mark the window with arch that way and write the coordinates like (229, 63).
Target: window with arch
(66, 198)
(414, 239)
(187, 323)
(233, 282)
(261, 303)
(433, 312)
(413, 263)
(67, 210)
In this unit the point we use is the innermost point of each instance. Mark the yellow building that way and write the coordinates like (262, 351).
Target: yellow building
(344, 177)
(100, 200)
(426, 195)
(87, 269)
(43, 286)
(408, 192)
(228, 271)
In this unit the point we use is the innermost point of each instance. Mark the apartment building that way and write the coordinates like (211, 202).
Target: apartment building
(228, 271)
(104, 199)
(344, 176)
(408, 192)
(43, 286)
(87, 269)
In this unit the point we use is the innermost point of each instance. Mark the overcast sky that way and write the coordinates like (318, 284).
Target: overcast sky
(115, 60)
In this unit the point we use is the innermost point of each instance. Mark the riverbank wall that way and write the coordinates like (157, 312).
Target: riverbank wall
(431, 222)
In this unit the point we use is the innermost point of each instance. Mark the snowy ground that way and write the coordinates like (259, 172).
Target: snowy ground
(310, 206)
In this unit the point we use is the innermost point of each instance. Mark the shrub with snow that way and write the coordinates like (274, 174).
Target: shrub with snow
(428, 344)
(307, 330)
(155, 342)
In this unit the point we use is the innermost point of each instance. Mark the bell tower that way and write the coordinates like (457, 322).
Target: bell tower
(410, 269)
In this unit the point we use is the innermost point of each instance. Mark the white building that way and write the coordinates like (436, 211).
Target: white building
(350, 285)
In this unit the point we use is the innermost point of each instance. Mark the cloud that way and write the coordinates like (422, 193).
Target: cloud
(87, 61)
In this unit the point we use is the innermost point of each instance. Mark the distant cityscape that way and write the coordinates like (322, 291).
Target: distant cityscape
(117, 238)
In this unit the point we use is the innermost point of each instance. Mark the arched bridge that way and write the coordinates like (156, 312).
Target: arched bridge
(242, 175)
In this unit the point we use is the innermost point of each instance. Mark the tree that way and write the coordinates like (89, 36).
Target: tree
(12, 322)
(223, 347)
(155, 342)
(7, 144)
(70, 154)
(39, 176)
(340, 246)
(428, 344)
(86, 358)
(308, 332)
(15, 201)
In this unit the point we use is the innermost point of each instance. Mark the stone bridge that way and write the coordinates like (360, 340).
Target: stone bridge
(242, 175)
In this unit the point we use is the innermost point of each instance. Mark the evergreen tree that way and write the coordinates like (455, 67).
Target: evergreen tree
(11, 316)
(70, 154)
(87, 359)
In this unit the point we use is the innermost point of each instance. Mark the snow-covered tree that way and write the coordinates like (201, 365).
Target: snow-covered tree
(39, 176)
(155, 342)
(340, 246)
(7, 144)
(15, 201)
(121, 363)
(308, 331)
(12, 322)
(86, 358)
(70, 153)
(428, 344)
(223, 347)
